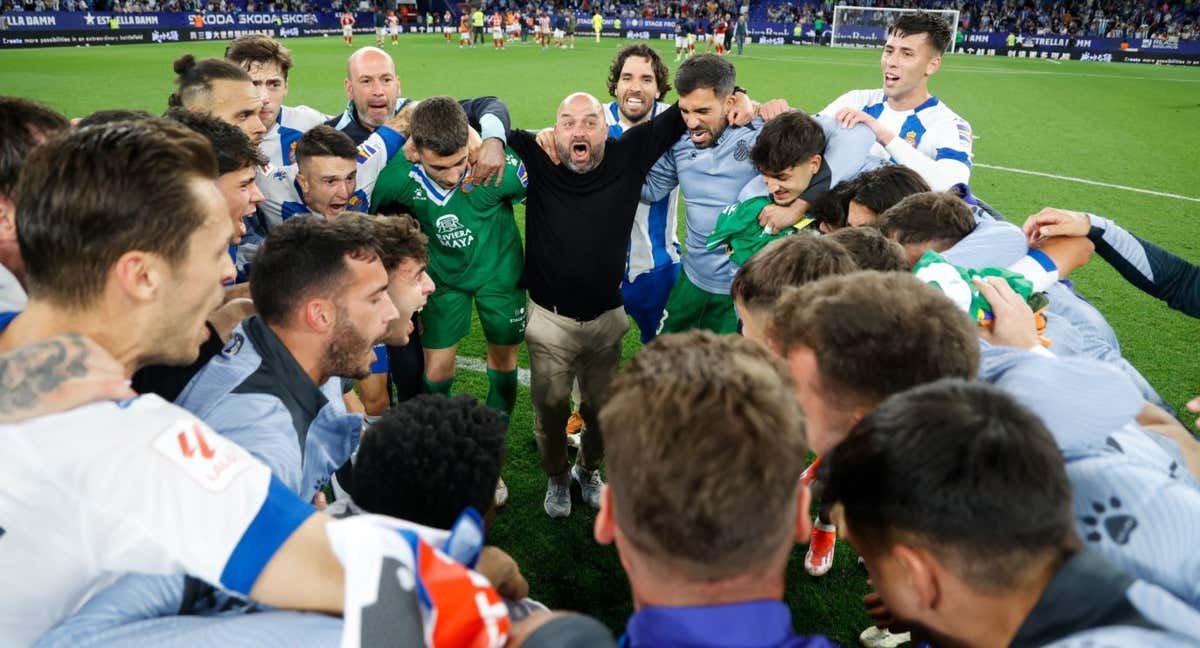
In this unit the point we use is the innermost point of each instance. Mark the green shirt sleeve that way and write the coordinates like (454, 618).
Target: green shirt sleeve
(394, 186)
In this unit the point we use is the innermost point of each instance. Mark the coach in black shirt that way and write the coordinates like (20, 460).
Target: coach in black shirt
(578, 217)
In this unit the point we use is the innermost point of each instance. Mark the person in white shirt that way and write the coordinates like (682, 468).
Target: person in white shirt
(911, 126)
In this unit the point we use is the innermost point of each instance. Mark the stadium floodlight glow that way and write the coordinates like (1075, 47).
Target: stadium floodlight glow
(867, 26)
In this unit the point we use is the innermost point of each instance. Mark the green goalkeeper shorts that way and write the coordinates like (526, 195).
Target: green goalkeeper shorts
(447, 315)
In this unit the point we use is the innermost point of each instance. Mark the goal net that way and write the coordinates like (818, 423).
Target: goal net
(867, 26)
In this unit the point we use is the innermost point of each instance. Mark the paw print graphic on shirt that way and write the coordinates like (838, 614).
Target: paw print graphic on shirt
(1109, 520)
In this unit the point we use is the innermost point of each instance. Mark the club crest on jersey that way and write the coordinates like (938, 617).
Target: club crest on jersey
(234, 345)
(523, 175)
(911, 138)
(741, 152)
(291, 154)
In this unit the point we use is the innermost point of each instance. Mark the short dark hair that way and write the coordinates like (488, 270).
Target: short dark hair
(400, 238)
(831, 209)
(234, 150)
(946, 467)
(679, 494)
(259, 48)
(23, 123)
(325, 141)
(870, 249)
(195, 78)
(925, 217)
(787, 263)
(661, 74)
(90, 195)
(100, 117)
(875, 334)
(706, 71)
(786, 141)
(922, 22)
(439, 124)
(880, 189)
(430, 458)
(304, 258)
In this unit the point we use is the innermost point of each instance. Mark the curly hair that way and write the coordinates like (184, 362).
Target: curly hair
(429, 458)
(661, 75)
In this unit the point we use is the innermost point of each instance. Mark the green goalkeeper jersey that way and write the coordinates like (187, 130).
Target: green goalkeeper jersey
(473, 237)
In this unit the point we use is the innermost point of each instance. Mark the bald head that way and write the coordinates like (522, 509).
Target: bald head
(580, 132)
(373, 86)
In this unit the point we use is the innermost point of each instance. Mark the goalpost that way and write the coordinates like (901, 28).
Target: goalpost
(867, 26)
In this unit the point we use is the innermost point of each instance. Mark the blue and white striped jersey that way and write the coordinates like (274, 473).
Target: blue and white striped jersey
(654, 241)
(930, 139)
(278, 144)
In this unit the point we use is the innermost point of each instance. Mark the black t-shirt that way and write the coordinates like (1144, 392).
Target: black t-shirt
(577, 225)
(168, 381)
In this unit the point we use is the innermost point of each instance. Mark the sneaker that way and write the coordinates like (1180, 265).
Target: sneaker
(810, 474)
(589, 484)
(501, 496)
(558, 497)
(819, 558)
(874, 637)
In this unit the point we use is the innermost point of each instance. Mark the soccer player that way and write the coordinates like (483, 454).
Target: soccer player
(320, 290)
(394, 27)
(597, 24)
(330, 176)
(219, 87)
(29, 125)
(347, 21)
(497, 24)
(464, 31)
(380, 27)
(447, 24)
(572, 22)
(475, 248)
(680, 38)
(477, 20)
(268, 63)
(544, 24)
(712, 167)
(943, 567)
(719, 30)
(911, 126)
(702, 33)
(637, 81)
(143, 289)
(704, 533)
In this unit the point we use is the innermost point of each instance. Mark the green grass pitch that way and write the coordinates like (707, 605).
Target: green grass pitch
(1133, 126)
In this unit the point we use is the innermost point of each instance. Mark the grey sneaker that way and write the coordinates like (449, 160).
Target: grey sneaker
(589, 484)
(558, 497)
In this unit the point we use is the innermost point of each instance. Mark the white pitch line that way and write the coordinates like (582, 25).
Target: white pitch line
(479, 366)
(972, 70)
(1150, 192)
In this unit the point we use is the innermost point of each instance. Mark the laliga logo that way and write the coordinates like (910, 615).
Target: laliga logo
(162, 37)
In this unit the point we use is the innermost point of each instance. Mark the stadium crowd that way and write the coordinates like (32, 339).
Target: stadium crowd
(228, 337)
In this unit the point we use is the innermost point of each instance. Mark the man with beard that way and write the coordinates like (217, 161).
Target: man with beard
(322, 297)
(575, 321)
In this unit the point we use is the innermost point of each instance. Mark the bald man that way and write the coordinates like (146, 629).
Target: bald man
(373, 94)
(575, 319)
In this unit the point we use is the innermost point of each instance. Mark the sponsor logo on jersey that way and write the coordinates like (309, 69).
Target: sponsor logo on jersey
(206, 457)
(452, 234)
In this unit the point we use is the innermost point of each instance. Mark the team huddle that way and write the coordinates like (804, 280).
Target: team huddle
(229, 335)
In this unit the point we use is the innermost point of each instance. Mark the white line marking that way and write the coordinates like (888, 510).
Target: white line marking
(478, 365)
(1150, 192)
(972, 70)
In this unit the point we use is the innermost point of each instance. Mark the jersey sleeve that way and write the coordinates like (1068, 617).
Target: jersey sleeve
(516, 178)
(374, 154)
(263, 427)
(951, 162)
(855, 99)
(393, 187)
(1150, 268)
(187, 500)
(992, 244)
(650, 140)
(489, 115)
(846, 149)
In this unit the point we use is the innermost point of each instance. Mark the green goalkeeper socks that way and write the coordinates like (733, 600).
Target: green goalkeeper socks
(502, 390)
(437, 387)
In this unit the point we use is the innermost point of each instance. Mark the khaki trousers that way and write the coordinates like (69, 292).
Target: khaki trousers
(561, 350)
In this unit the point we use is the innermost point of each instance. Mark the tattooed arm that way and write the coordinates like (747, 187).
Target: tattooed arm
(55, 375)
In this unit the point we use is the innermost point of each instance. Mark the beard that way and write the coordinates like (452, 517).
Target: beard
(344, 357)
